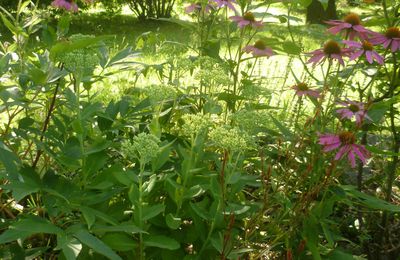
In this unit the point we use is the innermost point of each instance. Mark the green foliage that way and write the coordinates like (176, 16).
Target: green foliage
(187, 150)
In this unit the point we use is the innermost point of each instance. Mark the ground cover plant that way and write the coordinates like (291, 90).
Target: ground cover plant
(230, 131)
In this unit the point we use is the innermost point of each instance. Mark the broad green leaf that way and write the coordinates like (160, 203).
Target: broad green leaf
(121, 55)
(200, 212)
(90, 212)
(161, 242)
(149, 212)
(26, 227)
(182, 23)
(69, 246)
(69, 46)
(13, 235)
(120, 242)
(89, 216)
(173, 222)
(284, 130)
(96, 244)
(291, 48)
(128, 228)
(368, 200)
(381, 152)
(340, 255)
(10, 161)
(27, 183)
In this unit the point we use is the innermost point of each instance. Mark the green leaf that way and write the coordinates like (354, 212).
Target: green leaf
(128, 228)
(26, 227)
(13, 235)
(182, 23)
(96, 244)
(291, 48)
(120, 56)
(69, 46)
(152, 211)
(27, 183)
(368, 200)
(200, 212)
(173, 222)
(381, 152)
(119, 241)
(10, 161)
(89, 216)
(340, 255)
(90, 212)
(161, 242)
(69, 246)
(11, 27)
(284, 130)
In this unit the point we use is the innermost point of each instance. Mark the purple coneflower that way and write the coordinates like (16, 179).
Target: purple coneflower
(346, 142)
(302, 89)
(353, 109)
(351, 25)
(227, 3)
(259, 49)
(366, 48)
(247, 19)
(331, 50)
(391, 39)
(197, 7)
(68, 5)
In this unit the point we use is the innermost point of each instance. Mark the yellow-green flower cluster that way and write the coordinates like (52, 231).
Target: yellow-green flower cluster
(211, 73)
(145, 147)
(194, 123)
(231, 139)
(250, 120)
(158, 93)
(80, 61)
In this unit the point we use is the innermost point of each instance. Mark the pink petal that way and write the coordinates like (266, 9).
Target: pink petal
(356, 54)
(316, 58)
(378, 57)
(352, 159)
(369, 57)
(342, 151)
(395, 45)
(331, 147)
(356, 149)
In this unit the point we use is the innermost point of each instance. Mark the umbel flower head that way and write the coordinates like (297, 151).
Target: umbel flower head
(364, 48)
(230, 139)
(247, 19)
(145, 147)
(390, 39)
(351, 25)
(331, 50)
(259, 49)
(195, 123)
(302, 89)
(353, 109)
(80, 61)
(345, 141)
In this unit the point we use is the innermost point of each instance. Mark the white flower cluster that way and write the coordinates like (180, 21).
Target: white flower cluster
(145, 147)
